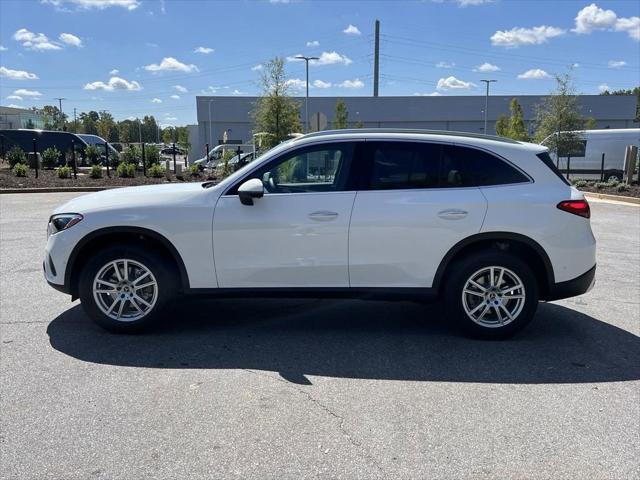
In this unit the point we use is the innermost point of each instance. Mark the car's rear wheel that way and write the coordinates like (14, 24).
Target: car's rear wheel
(491, 294)
(125, 289)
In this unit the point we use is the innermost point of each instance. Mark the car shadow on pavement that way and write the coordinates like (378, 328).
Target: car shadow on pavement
(358, 339)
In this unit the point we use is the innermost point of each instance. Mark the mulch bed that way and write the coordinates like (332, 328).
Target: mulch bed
(634, 190)
(49, 179)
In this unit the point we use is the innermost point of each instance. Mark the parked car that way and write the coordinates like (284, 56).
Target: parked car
(63, 141)
(586, 161)
(486, 224)
(169, 150)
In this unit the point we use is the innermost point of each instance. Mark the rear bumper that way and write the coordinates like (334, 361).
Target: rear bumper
(574, 287)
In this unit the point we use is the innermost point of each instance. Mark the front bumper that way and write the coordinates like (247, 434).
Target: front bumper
(574, 287)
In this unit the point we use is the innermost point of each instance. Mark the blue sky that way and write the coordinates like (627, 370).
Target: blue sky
(137, 57)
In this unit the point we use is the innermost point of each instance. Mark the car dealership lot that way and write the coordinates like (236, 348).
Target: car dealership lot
(301, 388)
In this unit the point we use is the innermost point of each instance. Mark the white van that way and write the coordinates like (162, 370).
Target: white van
(586, 162)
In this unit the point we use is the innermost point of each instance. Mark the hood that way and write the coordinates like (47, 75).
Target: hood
(135, 197)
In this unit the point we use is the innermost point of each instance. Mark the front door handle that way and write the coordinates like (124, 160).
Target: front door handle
(453, 214)
(323, 216)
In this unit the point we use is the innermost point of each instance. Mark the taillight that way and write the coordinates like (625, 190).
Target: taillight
(577, 207)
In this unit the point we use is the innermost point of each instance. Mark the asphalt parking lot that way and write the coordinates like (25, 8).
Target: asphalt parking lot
(316, 388)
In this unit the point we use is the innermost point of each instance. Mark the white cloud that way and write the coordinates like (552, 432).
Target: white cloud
(171, 64)
(238, 92)
(313, 43)
(486, 67)
(210, 90)
(616, 63)
(156, 100)
(601, 88)
(204, 50)
(97, 4)
(17, 74)
(454, 83)
(592, 18)
(534, 74)
(445, 65)
(14, 97)
(356, 83)
(21, 92)
(3, 48)
(352, 30)
(115, 71)
(35, 41)
(70, 39)
(257, 67)
(170, 119)
(321, 84)
(175, 97)
(296, 83)
(466, 3)
(432, 94)
(13, 105)
(180, 88)
(114, 83)
(525, 36)
(326, 58)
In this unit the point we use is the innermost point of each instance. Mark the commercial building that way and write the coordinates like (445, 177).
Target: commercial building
(13, 118)
(217, 115)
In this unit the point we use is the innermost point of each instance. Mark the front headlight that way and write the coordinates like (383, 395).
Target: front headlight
(62, 221)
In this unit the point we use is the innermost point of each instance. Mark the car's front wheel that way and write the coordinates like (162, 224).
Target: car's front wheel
(125, 289)
(491, 294)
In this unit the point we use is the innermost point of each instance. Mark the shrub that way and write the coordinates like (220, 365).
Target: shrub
(601, 185)
(622, 187)
(156, 170)
(50, 157)
(131, 154)
(580, 183)
(16, 155)
(126, 170)
(96, 171)
(64, 172)
(613, 182)
(20, 170)
(152, 155)
(194, 170)
(92, 154)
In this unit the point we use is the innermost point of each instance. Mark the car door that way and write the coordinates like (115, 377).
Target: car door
(413, 206)
(296, 235)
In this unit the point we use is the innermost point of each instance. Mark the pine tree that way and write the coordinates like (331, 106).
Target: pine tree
(341, 117)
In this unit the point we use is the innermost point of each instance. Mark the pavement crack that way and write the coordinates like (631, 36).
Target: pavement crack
(341, 420)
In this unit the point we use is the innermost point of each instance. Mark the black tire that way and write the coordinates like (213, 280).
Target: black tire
(463, 269)
(153, 262)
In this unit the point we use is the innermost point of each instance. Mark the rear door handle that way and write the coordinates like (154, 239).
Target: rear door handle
(453, 214)
(323, 216)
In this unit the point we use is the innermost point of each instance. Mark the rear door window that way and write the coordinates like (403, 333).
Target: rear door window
(470, 167)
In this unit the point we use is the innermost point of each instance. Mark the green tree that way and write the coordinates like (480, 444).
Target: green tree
(29, 124)
(359, 124)
(106, 126)
(502, 126)
(276, 112)
(183, 138)
(124, 130)
(341, 116)
(92, 154)
(168, 135)
(88, 121)
(517, 130)
(558, 118)
(53, 119)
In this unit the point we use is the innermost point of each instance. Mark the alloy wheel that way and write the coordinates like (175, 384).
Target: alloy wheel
(493, 297)
(125, 290)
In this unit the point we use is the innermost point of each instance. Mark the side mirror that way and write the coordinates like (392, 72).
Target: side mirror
(249, 190)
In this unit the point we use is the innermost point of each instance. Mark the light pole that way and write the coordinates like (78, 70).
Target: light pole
(306, 101)
(210, 126)
(486, 104)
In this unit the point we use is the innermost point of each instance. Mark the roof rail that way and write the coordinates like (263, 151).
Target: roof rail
(416, 131)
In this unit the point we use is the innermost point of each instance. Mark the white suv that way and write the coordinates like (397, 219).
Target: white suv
(487, 224)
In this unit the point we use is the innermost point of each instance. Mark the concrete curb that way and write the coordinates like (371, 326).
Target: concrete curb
(56, 189)
(612, 198)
